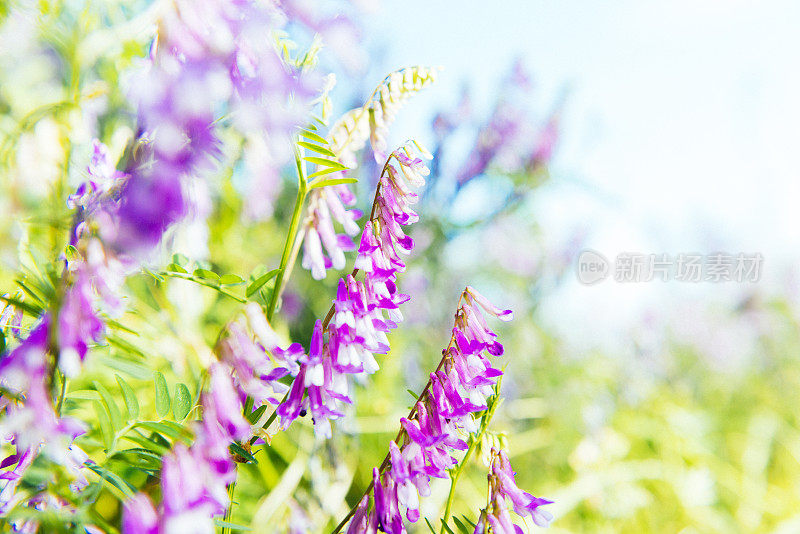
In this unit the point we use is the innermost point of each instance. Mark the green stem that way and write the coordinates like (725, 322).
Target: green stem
(229, 510)
(61, 394)
(202, 282)
(288, 246)
(454, 480)
(475, 440)
(387, 458)
(302, 191)
(290, 250)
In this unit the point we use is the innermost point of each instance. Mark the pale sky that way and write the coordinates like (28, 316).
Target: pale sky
(680, 130)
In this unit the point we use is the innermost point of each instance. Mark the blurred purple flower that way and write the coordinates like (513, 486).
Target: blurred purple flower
(511, 138)
(29, 419)
(194, 480)
(209, 56)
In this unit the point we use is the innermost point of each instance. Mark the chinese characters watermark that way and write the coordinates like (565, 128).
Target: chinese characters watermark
(718, 267)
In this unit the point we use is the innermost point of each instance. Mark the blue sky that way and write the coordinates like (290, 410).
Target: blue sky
(681, 126)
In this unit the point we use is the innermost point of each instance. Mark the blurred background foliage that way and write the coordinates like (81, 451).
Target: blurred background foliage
(657, 437)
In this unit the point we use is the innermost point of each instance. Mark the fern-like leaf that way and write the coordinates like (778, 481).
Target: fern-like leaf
(371, 121)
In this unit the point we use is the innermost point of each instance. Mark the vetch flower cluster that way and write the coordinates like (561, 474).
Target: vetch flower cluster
(89, 283)
(502, 486)
(194, 479)
(347, 136)
(439, 422)
(364, 310)
(256, 375)
(510, 139)
(29, 418)
(324, 208)
(209, 56)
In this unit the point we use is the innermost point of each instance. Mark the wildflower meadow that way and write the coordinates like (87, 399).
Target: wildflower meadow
(234, 301)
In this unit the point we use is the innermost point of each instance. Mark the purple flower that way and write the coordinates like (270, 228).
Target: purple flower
(347, 136)
(363, 520)
(326, 205)
(404, 477)
(504, 486)
(471, 295)
(29, 418)
(78, 321)
(194, 479)
(365, 310)
(542, 152)
(255, 374)
(221, 405)
(139, 516)
(500, 520)
(10, 478)
(209, 56)
(505, 140)
(439, 421)
(92, 195)
(188, 490)
(386, 509)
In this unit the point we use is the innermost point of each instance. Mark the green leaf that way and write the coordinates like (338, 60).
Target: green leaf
(256, 415)
(154, 274)
(146, 443)
(322, 172)
(180, 259)
(125, 345)
(104, 420)
(112, 478)
(317, 148)
(141, 451)
(230, 280)
(319, 120)
(143, 458)
(108, 402)
(165, 429)
(135, 369)
(39, 294)
(433, 530)
(182, 402)
(331, 181)
(179, 428)
(325, 162)
(461, 527)
(30, 309)
(162, 395)
(120, 326)
(468, 520)
(205, 274)
(241, 451)
(131, 403)
(308, 134)
(84, 394)
(256, 285)
(229, 525)
(175, 268)
(2, 342)
(448, 529)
